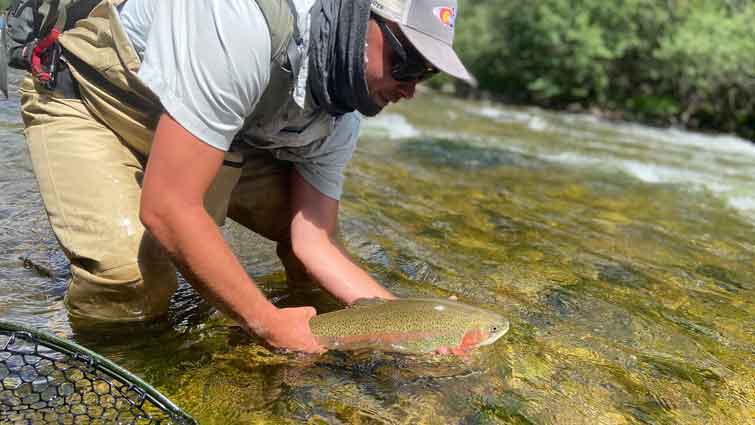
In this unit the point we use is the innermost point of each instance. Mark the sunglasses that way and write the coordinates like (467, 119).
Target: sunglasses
(408, 64)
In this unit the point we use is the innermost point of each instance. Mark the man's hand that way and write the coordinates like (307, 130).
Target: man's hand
(289, 330)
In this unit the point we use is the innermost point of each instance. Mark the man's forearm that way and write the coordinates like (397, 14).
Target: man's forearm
(172, 208)
(314, 222)
(198, 249)
(336, 272)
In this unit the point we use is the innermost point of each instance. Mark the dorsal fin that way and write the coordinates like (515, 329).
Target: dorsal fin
(361, 302)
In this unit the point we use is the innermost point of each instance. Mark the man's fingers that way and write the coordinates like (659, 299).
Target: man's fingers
(309, 312)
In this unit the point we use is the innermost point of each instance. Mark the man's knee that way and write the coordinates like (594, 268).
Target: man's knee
(129, 292)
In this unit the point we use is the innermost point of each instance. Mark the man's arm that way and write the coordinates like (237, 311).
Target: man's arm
(313, 230)
(179, 171)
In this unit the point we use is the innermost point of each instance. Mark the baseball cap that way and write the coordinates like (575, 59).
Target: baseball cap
(429, 26)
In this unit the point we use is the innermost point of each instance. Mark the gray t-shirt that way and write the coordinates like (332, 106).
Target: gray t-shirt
(208, 61)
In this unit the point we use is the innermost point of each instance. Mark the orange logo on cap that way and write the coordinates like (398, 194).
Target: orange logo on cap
(447, 15)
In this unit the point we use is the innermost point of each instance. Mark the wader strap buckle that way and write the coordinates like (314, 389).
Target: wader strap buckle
(45, 58)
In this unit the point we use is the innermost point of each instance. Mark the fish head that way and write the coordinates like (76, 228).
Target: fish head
(485, 330)
(495, 330)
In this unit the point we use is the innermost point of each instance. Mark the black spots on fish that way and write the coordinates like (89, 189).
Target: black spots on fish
(721, 277)
(463, 155)
(620, 274)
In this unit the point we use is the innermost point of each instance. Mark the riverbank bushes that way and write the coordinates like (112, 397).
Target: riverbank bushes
(682, 62)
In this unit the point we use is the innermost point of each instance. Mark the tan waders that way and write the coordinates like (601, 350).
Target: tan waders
(89, 154)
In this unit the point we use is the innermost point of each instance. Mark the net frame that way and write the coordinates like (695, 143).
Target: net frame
(135, 401)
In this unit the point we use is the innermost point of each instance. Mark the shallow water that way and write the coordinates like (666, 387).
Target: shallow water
(622, 255)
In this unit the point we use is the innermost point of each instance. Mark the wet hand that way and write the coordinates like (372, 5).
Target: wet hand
(289, 330)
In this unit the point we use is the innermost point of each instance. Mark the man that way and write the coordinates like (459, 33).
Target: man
(173, 114)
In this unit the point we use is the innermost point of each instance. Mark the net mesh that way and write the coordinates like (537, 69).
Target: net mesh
(44, 382)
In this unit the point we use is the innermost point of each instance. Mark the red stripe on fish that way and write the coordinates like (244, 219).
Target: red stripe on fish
(384, 338)
(472, 339)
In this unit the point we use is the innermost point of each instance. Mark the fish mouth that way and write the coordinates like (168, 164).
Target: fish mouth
(502, 328)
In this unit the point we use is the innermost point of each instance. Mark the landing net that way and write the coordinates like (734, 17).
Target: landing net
(45, 379)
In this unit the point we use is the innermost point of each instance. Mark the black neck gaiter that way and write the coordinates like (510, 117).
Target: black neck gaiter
(336, 56)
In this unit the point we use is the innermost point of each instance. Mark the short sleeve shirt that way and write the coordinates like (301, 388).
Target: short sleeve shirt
(208, 61)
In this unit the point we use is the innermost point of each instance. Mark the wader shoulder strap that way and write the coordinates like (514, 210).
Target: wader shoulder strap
(280, 20)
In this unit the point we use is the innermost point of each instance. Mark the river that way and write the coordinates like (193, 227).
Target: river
(624, 257)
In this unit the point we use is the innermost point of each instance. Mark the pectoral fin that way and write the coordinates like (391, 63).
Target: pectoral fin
(472, 339)
(362, 302)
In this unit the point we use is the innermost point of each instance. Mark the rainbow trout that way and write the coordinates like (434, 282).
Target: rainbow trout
(409, 325)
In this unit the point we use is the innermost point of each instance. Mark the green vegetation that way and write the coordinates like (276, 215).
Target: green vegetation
(687, 62)
(684, 62)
